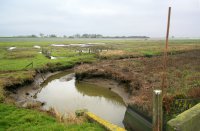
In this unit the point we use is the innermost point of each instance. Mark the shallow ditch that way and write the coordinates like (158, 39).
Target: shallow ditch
(62, 92)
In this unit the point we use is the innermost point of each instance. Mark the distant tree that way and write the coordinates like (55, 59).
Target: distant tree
(99, 36)
(41, 35)
(71, 36)
(34, 36)
(85, 36)
(93, 35)
(77, 36)
(52, 36)
(64, 36)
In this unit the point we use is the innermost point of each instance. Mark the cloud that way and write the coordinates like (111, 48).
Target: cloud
(108, 17)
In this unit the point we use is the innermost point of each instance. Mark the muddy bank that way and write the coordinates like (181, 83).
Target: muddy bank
(10, 81)
(23, 94)
(111, 85)
(131, 81)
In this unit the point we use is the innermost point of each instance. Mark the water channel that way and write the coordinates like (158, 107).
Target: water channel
(65, 94)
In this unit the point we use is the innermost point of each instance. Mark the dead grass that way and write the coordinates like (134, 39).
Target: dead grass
(67, 118)
(112, 52)
(194, 92)
(141, 75)
(117, 54)
(33, 105)
(73, 119)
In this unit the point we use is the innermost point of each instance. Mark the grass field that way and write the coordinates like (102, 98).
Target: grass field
(183, 73)
(14, 61)
(18, 119)
(24, 53)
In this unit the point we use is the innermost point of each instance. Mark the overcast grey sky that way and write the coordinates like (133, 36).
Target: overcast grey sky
(107, 17)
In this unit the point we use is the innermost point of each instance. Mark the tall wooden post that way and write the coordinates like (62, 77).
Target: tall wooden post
(168, 25)
(164, 77)
(158, 94)
(157, 111)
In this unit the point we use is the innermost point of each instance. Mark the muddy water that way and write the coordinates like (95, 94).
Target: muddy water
(63, 93)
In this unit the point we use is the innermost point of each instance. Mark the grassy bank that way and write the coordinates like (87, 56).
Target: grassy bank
(17, 119)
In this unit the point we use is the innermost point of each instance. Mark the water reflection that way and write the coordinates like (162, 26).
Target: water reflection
(98, 91)
(62, 92)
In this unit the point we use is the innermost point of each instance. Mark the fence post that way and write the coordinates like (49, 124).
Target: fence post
(157, 111)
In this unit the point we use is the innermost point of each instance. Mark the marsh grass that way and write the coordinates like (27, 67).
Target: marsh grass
(142, 73)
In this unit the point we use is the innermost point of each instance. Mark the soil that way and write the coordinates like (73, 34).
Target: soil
(23, 95)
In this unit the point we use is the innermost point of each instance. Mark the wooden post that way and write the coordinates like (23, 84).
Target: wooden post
(157, 111)
(89, 50)
(168, 25)
(164, 77)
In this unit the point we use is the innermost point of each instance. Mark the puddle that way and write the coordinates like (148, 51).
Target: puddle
(83, 51)
(12, 48)
(63, 93)
(79, 45)
(59, 45)
(97, 43)
(53, 58)
(36, 46)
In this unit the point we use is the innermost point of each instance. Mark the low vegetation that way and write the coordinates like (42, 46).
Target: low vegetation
(141, 75)
(135, 63)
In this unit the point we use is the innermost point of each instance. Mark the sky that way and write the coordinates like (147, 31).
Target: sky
(106, 17)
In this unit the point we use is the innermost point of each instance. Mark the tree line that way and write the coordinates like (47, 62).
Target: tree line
(41, 35)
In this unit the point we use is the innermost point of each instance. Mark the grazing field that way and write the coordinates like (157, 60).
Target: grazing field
(134, 62)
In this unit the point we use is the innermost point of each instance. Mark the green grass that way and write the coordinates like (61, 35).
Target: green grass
(63, 52)
(13, 63)
(18, 119)
(17, 60)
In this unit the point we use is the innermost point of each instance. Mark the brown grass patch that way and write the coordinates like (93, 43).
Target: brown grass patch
(142, 75)
(194, 92)
(67, 118)
(112, 52)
